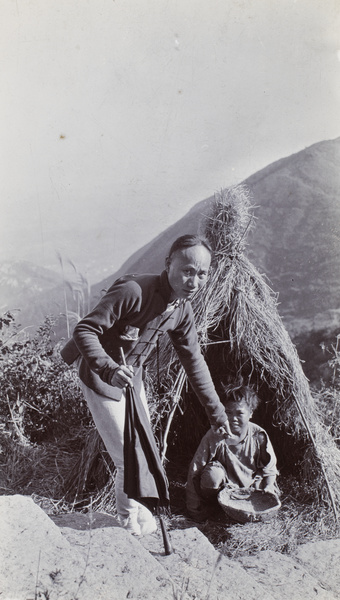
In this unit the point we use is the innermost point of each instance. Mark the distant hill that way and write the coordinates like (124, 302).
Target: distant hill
(31, 293)
(296, 240)
(295, 243)
(32, 290)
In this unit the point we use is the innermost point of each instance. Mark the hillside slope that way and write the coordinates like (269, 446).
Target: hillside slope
(295, 243)
(30, 291)
(296, 240)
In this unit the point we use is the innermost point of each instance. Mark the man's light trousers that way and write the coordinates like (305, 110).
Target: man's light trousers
(109, 418)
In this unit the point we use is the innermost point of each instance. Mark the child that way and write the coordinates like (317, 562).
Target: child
(244, 460)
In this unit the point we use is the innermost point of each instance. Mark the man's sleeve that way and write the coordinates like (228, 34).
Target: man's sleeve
(119, 301)
(184, 339)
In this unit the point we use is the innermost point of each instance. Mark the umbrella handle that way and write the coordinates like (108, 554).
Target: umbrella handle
(166, 537)
(122, 355)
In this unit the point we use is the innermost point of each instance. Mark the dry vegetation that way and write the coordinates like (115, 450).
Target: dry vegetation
(50, 450)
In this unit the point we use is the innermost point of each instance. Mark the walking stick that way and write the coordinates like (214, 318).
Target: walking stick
(165, 534)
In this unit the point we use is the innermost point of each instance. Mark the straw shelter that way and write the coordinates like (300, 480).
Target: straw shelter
(244, 339)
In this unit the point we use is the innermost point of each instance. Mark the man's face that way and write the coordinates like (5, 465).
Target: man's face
(188, 271)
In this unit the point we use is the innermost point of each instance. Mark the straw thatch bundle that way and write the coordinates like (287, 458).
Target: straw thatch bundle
(244, 339)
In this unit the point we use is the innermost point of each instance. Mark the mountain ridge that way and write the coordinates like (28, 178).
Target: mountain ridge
(295, 242)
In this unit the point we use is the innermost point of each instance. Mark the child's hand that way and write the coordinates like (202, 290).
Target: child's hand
(270, 489)
(269, 485)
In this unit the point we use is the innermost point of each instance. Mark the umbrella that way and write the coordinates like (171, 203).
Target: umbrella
(144, 477)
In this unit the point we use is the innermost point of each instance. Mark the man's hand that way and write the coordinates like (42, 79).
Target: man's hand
(224, 430)
(122, 376)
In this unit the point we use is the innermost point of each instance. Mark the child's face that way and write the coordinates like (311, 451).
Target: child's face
(238, 414)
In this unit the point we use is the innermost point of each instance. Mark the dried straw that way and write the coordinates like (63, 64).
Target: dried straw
(237, 313)
(239, 328)
(92, 476)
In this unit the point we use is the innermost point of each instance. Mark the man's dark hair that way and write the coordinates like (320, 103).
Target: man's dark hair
(188, 241)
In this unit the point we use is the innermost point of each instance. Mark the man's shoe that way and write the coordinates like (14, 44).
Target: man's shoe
(146, 521)
(130, 524)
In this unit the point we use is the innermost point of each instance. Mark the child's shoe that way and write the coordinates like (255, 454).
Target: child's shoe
(146, 521)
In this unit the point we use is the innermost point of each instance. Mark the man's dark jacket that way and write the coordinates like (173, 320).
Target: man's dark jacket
(133, 314)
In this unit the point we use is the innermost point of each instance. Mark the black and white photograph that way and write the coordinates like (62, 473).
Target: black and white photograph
(170, 299)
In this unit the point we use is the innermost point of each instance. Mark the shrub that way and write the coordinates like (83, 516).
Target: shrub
(328, 393)
(39, 394)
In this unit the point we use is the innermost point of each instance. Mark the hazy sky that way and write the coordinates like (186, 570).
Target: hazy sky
(120, 115)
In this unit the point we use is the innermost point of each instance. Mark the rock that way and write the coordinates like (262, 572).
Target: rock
(322, 559)
(88, 556)
(35, 557)
(284, 578)
(102, 561)
(117, 565)
(202, 572)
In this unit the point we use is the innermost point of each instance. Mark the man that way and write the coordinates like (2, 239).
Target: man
(135, 311)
